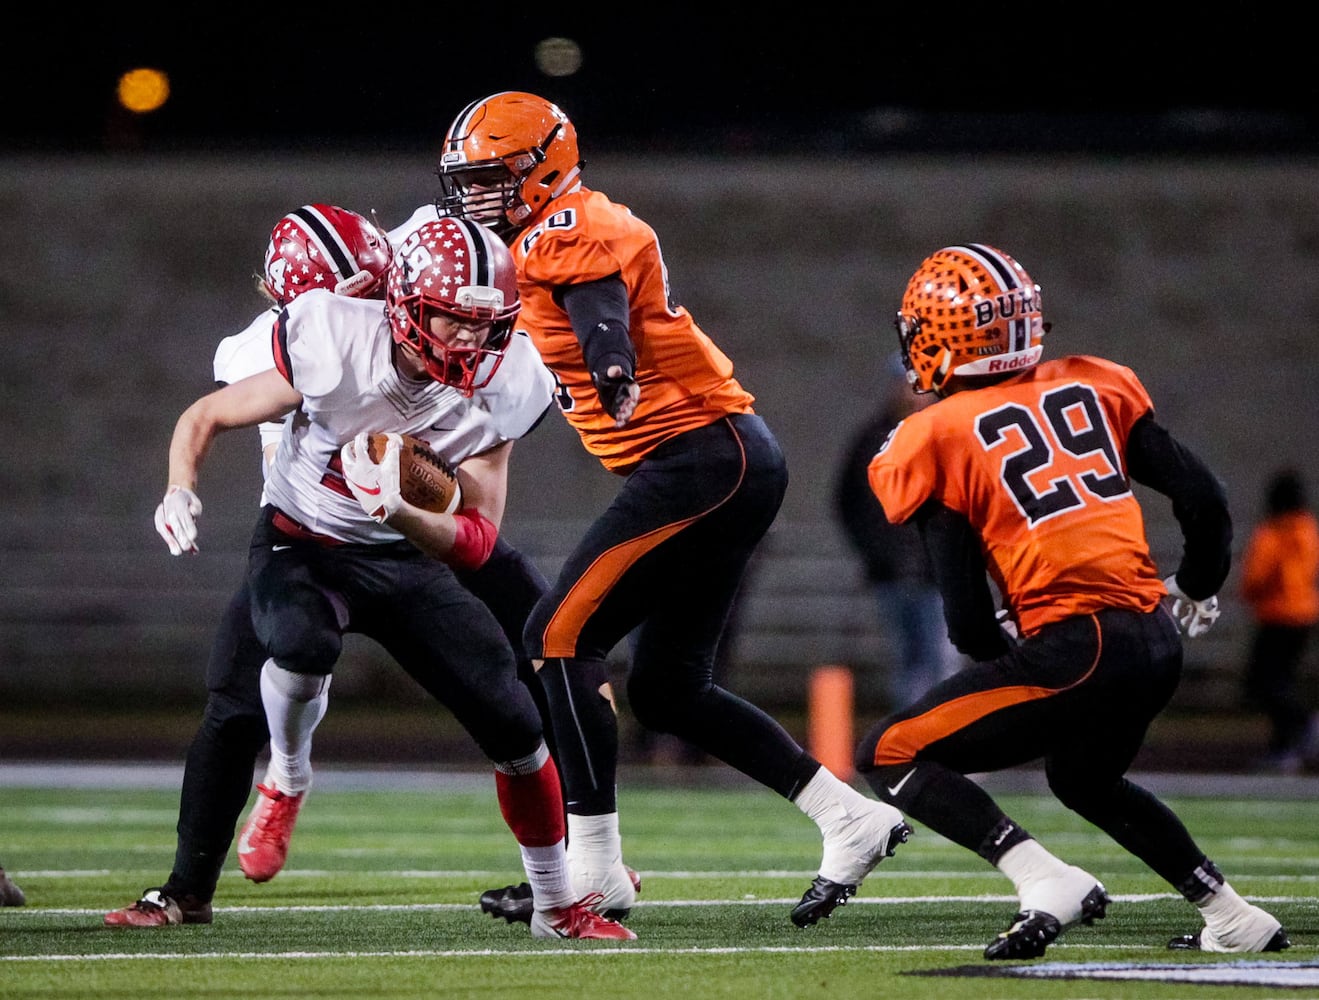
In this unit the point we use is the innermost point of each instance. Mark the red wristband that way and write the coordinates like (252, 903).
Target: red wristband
(473, 540)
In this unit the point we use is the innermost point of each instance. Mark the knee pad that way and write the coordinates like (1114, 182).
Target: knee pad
(303, 634)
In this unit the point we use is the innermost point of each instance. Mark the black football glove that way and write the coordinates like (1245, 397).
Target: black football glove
(618, 392)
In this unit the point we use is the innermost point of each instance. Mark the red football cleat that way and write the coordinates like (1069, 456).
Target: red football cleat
(263, 845)
(155, 909)
(579, 921)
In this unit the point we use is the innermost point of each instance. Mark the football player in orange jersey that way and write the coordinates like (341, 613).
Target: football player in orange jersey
(656, 401)
(1020, 474)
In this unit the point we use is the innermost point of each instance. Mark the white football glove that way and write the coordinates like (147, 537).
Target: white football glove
(375, 485)
(1195, 617)
(176, 519)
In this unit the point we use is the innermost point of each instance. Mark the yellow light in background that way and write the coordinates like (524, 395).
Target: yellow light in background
(143, 90)
(558, 56)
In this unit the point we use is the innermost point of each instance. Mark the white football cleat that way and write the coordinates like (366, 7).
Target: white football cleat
(1249, 930)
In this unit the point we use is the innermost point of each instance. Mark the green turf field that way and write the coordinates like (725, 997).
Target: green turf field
(379, 900)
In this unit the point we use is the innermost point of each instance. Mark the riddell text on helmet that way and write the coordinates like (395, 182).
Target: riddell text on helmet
(1023, 360)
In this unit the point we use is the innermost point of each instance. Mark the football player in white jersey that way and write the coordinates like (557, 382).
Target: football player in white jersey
(314, 246)
(587, 755)
(324, 246)
(453, 374)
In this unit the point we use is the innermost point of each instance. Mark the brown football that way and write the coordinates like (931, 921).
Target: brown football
(425, 479)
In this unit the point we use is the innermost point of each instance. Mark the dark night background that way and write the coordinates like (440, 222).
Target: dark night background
(665, 80)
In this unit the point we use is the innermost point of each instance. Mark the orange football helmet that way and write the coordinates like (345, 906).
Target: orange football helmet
(324, 246)
(968, 311)
(505, 158)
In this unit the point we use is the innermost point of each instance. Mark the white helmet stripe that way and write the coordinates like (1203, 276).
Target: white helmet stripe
(328, 241)
(993, 260)
(1017, 335)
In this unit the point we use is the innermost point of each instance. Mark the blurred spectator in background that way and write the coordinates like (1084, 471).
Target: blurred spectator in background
(1280, 583)
(10, 894)
(893, 556)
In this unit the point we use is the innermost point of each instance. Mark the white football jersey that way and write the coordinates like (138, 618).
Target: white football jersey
(424, 213)
(337, 352)
(248, 353)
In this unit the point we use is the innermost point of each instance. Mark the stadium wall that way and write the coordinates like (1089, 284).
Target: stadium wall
(119, 276)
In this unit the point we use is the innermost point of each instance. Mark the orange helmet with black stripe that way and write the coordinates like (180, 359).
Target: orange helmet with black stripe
(505, 158)
(970, 312)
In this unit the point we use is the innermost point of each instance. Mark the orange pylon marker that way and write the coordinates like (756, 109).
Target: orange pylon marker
(829, 720)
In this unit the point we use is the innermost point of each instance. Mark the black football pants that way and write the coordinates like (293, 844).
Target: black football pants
(1080, 694)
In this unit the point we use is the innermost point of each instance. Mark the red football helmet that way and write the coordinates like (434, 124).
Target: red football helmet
(323, 246)
(969, 311)
(460, 269)
(505, 158)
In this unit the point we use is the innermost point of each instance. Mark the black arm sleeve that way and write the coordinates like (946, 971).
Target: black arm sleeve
(1199, 502)
(599, 316)
(959, 569)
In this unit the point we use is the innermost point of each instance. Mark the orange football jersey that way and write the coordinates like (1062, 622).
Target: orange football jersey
(1037, 464)
(685, 380)
(1280, 570)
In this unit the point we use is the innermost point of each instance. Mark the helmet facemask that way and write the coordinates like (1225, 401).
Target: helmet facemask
(487, 193)
(465, 368)
(505, 158)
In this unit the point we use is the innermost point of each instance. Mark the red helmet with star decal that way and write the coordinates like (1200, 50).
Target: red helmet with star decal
(459, 269)
(324, 246)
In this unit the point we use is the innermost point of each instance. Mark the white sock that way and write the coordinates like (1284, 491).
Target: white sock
(295, 705)
(1028, 862)
(547, 874)
(1220, 906)
(829, 800)
(594, 841)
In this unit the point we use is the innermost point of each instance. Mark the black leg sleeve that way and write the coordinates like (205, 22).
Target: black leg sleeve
(585, 727)
(217, 780)
(218, 772)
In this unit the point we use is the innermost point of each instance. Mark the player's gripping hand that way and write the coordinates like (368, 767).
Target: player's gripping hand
(618, 392)
(374, 484)
(176, 519)
(1195, 617)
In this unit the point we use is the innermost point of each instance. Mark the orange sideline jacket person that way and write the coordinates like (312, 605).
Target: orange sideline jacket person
(1280, 584)
(656, 401)
(1019, 473)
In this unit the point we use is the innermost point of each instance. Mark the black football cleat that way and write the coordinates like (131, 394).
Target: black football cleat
(513, 902)
(1028, 936)
(1032, 931)
(820, 900)
(874, 837)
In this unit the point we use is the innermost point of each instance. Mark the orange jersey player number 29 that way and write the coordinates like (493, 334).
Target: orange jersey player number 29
(1060, 452)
